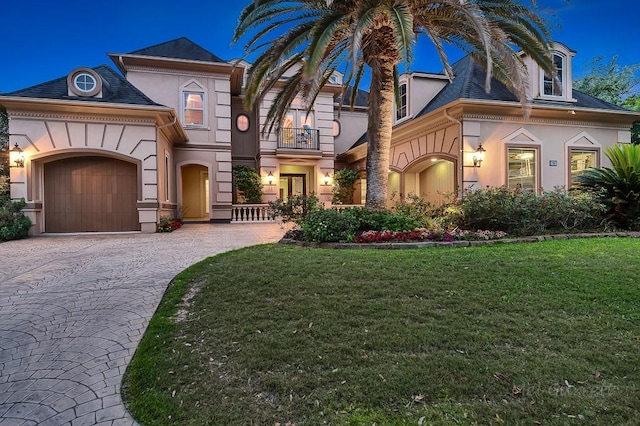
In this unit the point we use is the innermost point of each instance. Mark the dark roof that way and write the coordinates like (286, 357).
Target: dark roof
(180, 48)
(469, 84)
(362, 97)
(116, 90)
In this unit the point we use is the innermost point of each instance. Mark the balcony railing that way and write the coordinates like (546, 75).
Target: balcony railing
(302, 138)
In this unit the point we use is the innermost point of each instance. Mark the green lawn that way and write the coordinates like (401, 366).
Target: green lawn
(518, 334)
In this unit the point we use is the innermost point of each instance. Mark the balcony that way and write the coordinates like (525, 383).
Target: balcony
(304, 138)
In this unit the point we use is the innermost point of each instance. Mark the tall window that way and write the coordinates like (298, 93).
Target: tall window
(550, 88)
(401, 108)
(522, 168)
(297, 126)
(193, 108)
(581, 159)
(166, 176)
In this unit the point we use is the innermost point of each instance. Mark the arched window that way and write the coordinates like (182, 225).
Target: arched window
(549, 87)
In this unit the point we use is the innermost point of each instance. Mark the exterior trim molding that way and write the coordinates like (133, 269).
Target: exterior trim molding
(530, 120)
(81, 118)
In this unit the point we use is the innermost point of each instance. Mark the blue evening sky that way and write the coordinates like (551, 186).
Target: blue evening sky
(43, 39)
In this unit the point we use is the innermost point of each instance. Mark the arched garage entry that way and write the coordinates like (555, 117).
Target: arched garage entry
(90, 194)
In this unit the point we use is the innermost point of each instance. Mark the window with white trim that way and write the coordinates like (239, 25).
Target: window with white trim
(402, 107)
(193, 109)
(550, 88)
(522, 167)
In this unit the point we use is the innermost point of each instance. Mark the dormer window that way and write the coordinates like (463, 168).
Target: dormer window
(84, 82)
(551, 88)
(402, 109)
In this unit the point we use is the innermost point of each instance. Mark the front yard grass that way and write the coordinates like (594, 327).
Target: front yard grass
(515, 334)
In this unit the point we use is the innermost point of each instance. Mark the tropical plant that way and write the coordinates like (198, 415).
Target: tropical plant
(305, 41)
(621, 183)
(343, 186)
(247, 181)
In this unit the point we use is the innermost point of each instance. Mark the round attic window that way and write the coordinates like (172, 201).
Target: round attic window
(84, 82)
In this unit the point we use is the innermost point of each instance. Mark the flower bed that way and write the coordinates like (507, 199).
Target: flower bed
(425, 235)
(168, 225)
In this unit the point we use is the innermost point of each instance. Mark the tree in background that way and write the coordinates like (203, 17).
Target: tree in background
(633, 102)
(4, 155)
(307, 40)
(614, 84)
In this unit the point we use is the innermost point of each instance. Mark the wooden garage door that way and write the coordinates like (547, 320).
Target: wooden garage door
(90, 194)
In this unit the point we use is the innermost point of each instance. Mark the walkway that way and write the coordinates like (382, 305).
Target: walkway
(73, 309)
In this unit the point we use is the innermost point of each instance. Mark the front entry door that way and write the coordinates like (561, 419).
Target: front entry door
(292, 185)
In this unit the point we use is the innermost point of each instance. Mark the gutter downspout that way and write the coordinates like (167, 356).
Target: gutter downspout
(461, 166)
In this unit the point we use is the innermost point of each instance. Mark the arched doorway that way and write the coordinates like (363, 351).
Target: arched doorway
(195, 192)
(90, 194)
(433, 179)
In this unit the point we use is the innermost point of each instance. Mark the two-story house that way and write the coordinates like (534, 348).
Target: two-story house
(452, 135)
(109, 151)
(105, 152)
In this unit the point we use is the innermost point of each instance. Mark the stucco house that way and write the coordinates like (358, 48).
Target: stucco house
(452, 135)
(105, 151)
(115, 151)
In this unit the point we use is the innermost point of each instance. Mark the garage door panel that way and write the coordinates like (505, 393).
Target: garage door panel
(90, 194)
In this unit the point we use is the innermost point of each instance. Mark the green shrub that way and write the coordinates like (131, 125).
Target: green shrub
(382, 220)
(343, 181)
(295, 209)
(523, 212)
(329, 225)
(247, 181)
(14, 225)
(417, 208)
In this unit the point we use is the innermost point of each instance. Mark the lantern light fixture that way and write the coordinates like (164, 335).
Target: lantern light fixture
(18, 155)
(478, 156)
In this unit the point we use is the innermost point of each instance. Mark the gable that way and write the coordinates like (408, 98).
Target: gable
(522, 136)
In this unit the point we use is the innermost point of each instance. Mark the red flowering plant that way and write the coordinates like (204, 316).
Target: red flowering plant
(168, 225)
(403, 236)
(426, 235)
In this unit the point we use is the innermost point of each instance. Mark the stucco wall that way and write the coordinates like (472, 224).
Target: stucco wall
(552, 140)
(45, 137)
(165, 87)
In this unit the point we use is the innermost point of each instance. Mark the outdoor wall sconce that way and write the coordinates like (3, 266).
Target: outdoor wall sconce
(326, 179)
(270, 178)
(478, 157)
(18, 155)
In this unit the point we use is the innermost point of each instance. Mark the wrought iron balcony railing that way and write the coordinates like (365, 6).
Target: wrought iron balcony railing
(299, 138)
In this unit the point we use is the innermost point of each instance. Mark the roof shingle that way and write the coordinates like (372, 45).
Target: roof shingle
(180, 48)
(116, 90)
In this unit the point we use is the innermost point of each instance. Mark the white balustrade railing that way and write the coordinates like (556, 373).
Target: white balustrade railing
(244, 213)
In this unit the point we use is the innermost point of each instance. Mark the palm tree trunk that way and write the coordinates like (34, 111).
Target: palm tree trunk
(380, 115)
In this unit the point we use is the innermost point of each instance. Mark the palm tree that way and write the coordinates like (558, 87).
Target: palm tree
(352, 35)
(620, 184)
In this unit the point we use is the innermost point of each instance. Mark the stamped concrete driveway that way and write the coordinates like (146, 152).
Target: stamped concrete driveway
(73, 309)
